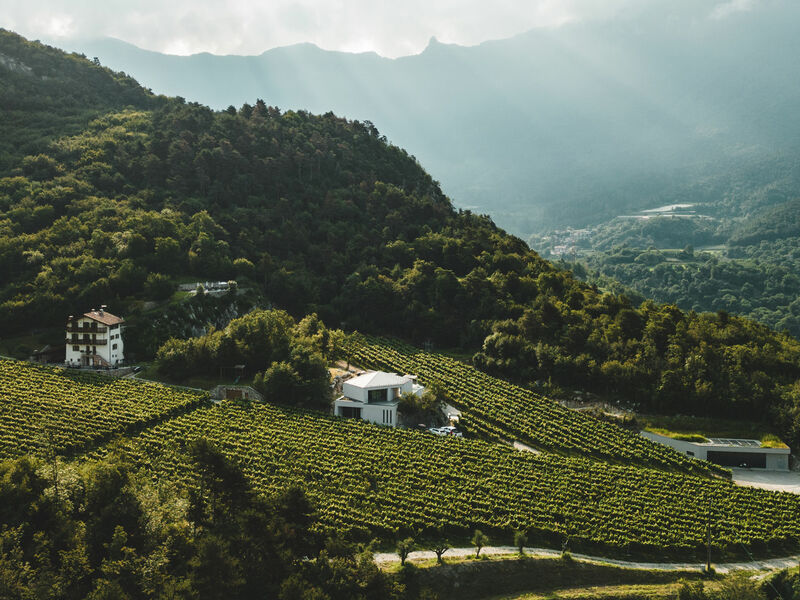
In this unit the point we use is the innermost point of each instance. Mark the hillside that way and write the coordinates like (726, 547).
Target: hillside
(366, 480)
(48, 94)
(554, 127)
(49, 410)
(496, 409)
(320, 214)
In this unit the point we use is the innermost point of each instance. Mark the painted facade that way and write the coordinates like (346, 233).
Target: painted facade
(94, 339)
(374, 396)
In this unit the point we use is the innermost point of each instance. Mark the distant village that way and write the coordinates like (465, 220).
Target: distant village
(565, 243)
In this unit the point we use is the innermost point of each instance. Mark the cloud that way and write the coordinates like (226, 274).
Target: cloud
(726, 9)
(250, 27)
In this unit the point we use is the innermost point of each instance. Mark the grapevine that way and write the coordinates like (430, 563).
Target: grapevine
(498, 409)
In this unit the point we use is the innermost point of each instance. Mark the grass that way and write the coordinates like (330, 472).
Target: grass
(179, 296)
(772, 441)
(657, 591)
(685, 437)
(552, 578)
(698, 429)
(538, 578)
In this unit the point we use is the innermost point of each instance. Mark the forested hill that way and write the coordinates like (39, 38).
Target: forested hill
(47, 93)
(321, 214)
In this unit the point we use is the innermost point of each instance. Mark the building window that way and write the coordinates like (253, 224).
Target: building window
(350, 412)
(114, 347)
(76, 348)
(377, 395)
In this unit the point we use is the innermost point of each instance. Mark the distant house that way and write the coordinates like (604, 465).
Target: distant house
(374, 396)
(94, 339)
(48, 354)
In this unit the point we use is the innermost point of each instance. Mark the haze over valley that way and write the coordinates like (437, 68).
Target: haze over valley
(559, 126)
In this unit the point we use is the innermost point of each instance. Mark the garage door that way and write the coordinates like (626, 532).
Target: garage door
(756, 460)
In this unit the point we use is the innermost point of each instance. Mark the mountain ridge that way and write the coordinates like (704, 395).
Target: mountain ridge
(553, 126)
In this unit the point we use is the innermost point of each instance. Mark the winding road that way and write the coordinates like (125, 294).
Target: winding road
(772, 564)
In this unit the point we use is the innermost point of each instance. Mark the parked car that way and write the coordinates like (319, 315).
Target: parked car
(446, 430)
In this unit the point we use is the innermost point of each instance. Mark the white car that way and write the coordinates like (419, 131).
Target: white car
(447, 430)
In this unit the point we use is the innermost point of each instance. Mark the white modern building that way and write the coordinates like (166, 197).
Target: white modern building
(728, 452)
(94, 339)
(374, 396)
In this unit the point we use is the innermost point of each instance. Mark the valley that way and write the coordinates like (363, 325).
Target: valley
(261, 248)
(740, 262)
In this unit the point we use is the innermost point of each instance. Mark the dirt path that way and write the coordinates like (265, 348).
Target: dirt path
(383, 558)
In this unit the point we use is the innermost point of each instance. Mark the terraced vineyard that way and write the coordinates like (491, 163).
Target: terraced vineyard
(71, 410)
(374, 480)
(499, 409)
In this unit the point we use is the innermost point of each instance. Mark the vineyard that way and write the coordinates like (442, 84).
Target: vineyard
(377, 482)
(498, 409)
(373, 481)
(69, 411)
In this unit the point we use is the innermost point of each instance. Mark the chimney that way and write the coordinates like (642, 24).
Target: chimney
(102, 309)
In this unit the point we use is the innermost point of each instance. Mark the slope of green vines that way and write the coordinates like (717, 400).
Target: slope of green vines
(67, 411)
(499, 409)
(375, 481)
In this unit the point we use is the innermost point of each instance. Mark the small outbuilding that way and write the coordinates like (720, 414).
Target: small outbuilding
(729, 452)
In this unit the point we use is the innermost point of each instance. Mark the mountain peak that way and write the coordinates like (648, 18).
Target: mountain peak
(434, 44)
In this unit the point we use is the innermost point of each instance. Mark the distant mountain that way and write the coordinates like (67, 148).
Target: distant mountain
(555, 126)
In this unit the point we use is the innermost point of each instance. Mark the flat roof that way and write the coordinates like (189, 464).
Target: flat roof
(742, 443)
(377, 379)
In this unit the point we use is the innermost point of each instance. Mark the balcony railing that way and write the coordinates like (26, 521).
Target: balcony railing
(76, 329)
(86, 342)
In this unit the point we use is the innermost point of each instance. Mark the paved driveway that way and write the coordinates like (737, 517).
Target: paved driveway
(783, 481)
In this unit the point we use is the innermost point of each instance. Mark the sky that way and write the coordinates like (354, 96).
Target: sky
(390, 28)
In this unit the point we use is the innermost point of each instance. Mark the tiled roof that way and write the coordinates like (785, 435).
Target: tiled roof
(104, 317)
